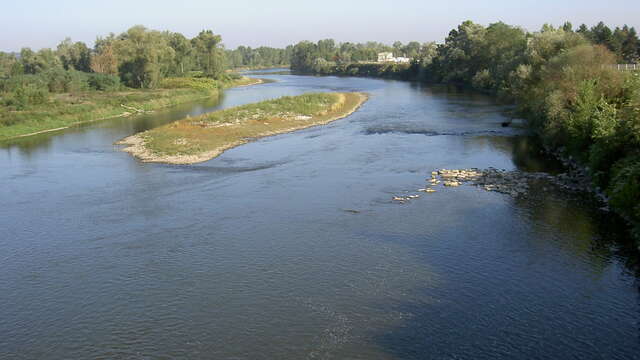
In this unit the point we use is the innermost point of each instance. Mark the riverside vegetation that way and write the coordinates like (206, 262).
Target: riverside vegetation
(137, 71)
(204, 137)
(62, 110)
(561, 80)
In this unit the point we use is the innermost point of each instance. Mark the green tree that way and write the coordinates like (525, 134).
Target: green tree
(209, 53)
(74, 56)
(183, 51)
(144, 57)
(37, 62)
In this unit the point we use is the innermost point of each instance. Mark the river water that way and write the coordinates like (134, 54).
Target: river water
(291, 248)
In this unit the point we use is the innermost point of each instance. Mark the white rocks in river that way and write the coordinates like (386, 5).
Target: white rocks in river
(514, 183)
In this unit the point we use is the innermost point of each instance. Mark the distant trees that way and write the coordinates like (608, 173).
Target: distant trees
(621, 41)
(74, 56)
(308, 56)
(9, 64)
(263, 56)
(139, 57)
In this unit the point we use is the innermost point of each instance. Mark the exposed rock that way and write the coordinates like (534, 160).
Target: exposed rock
(514, 183)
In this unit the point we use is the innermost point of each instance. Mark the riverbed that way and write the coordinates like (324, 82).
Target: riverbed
(291, 247)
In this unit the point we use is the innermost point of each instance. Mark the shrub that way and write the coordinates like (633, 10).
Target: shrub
(104, 82)
(27, 94)
(59, 80)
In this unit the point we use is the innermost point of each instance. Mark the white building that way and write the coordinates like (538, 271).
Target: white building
(387, 57)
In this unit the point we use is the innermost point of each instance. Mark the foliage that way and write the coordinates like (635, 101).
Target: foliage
(144, 57)
(8, 64)
(104, 60)
(624, 190)
(189, 83)
(26, 94)
(74, 56)
(209, 53)
(260, 57)
(104, 82)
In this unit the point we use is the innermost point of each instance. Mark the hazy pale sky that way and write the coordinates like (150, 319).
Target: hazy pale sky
(44, 23)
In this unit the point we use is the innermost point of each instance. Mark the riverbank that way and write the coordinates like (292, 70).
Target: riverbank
(198, 139)
(250, 68)
(375, 70)
(71, 109)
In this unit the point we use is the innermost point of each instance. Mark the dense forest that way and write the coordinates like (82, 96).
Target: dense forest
(561, 79)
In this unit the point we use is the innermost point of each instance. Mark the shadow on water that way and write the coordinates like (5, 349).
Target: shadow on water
(487, 297)
(526, 152)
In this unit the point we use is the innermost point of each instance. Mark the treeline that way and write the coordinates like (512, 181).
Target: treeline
(263, 56)
(562, 80)
(320, 57)
(138, 58)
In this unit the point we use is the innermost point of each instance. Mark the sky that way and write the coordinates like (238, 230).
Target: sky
(278, 23)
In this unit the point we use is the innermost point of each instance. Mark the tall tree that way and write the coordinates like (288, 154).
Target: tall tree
(209, 53)
(74, 56)
(144, 56)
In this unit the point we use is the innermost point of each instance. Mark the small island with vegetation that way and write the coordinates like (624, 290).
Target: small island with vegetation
(197, 139)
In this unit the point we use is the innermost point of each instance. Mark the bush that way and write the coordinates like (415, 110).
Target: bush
(59, 80)
(104, 82)
(27, 94)
(13, 83)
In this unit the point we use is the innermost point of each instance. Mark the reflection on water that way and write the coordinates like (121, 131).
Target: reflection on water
(252, 254)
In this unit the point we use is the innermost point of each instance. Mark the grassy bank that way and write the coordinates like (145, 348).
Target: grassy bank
(201, 138)
(64, 110)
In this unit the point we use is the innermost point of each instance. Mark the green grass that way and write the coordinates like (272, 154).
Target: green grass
(303, 105)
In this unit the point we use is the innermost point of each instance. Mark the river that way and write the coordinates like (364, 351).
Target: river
(290, 247)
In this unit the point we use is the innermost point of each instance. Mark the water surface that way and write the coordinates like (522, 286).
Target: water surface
(290, 248)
